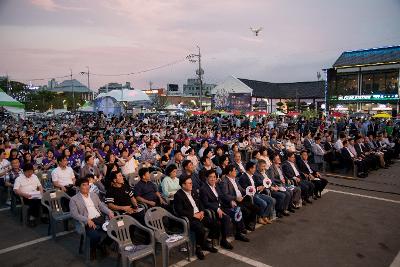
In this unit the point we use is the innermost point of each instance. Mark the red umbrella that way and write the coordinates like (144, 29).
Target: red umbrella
(262, 113)
(198, 112)
(293, 113)
(251, 113)
(337, 114)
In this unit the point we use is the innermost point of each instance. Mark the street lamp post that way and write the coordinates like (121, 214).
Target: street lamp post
(200, 72)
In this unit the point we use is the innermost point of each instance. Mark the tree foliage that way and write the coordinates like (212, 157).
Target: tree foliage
(160, 102)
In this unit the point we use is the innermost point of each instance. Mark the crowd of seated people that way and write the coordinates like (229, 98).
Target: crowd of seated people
(226, 178)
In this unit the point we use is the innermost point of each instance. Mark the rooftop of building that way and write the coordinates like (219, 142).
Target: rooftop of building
(371, 56)
(71, 85)
(302, 90)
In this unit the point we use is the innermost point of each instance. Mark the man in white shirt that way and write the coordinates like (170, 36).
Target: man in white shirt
(185, 147)
(63, 176)
(129, 167)
(204, 146)
(339, 143)
(290, 146)
(29, 188)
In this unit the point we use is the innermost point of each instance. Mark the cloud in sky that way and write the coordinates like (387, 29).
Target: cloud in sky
(45, 38)
(51, 5)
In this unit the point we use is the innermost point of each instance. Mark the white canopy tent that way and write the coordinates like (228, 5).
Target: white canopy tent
(126, 95)
(8, 101)
(171, 107)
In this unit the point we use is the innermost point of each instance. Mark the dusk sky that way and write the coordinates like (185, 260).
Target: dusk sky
(47, 38)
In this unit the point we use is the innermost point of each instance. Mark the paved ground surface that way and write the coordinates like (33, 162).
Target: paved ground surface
(356, 223)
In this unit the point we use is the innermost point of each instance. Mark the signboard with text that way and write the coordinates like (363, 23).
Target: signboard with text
(375, 97)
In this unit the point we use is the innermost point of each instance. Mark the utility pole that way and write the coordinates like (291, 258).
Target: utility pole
(199, 72)
(88, 79)
(73, 93)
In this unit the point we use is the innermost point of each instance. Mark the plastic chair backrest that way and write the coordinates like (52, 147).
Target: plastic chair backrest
(118, 229)
(133, 180)
(53, 200)
(156, 176)
(154, 219)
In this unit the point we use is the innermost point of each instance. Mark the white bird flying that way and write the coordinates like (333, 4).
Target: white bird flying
(256, 31)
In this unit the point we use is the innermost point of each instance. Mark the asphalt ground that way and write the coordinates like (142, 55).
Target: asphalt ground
(355, 223)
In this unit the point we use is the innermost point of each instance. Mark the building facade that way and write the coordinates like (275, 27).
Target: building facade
(192, 88)
(72, 87)
(246, 95)
(365, 81)
(114, 86)
(173, 89)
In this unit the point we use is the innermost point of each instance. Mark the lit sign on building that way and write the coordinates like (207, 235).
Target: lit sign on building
(376, 97)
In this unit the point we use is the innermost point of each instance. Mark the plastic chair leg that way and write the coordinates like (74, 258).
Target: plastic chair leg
(164, 255)
(154, 259)
(188, 250)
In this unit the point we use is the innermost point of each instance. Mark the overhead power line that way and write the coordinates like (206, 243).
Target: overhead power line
(143, 71)
(49, 78)
(113, 75)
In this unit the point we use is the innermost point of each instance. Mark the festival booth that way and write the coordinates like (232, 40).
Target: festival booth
(116, 102)
(231, 95)
(86, 107)
(11, 105)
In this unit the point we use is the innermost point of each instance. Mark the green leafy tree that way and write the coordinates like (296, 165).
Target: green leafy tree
(291, 106)
(303, 106)
(41, 100)
(279, 106)
(160, 102)
(308, 114)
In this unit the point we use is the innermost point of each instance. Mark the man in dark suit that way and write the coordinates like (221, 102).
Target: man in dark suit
(307, 141)
(329, 157)
(276, 175)
(369, 147)
(273, 191)
(264, 202)
(349, 158)
(238, 163)
(371, 160)
(291, 173)
(210, 197)
(233, 195)
(307, 172)
(187, 204)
